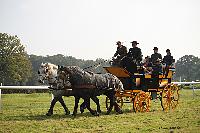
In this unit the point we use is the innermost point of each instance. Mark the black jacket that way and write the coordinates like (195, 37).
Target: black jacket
(121, 52)
(168, 59)
(155, 56)
(135, 54)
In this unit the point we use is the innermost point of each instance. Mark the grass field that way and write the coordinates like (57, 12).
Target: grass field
(26, 113)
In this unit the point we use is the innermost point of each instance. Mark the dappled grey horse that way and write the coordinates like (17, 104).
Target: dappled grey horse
(86, 85)
(48, 71)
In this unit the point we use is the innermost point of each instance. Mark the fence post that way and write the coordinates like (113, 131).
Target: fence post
(193, 90)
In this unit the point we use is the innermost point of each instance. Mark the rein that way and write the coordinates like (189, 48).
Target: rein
(95, 65)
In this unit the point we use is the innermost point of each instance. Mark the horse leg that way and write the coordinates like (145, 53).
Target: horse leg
(111, 104)
(96, 100)
(76, 105)
(82, 107)
(53, 102)
(93, 112)
(117, 108)
(111, 96)
(60, 99)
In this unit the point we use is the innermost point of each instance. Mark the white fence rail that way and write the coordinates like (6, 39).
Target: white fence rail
(21, 88)
(25, 87)
(188, 83)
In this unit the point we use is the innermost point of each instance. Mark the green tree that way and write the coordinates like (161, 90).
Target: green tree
(187, 67)
(15, 67)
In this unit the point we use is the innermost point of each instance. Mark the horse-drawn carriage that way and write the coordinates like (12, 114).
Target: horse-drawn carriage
(141, 88)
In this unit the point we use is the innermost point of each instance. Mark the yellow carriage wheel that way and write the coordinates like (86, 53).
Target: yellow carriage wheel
(170, 97)
(142, 102)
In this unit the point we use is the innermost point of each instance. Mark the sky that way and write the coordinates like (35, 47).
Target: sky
(89, 29)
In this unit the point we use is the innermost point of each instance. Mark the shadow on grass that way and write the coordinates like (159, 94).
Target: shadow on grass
(42, 117)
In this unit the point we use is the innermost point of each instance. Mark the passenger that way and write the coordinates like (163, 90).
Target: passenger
(119, 54)
(147, 65)
(156, 71)
(133, 58)
(135, 52)
(146, 62)
(155, 56)
(168, 59)
(157, 67)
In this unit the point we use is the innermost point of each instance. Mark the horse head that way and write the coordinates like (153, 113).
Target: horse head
(48, 72)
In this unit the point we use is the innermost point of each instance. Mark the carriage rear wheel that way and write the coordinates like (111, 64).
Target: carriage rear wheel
(119, 100)
(141, 102)
(170, 97)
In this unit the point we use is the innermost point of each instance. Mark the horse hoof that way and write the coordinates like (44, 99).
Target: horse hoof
(81, 110)
(67, 113)
(99, 111)
(96, 114)
(49, 114)
(107, 113)
(74, 114)
(120, 112)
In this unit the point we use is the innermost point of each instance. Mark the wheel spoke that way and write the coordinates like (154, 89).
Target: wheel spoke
(170, 97)
(142, 102)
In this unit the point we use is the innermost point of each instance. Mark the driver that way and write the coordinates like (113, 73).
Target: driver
(119, 54)
(135, 52)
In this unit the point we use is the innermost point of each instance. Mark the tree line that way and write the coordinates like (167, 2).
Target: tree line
(19, 68)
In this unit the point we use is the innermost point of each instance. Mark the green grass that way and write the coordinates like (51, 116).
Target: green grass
(26, 113)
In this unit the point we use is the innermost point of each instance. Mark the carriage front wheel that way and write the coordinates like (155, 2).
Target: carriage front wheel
(170, 97)
(142, 102)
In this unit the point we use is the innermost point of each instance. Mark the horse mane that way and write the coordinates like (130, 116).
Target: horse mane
(80, 77)
(77, 70)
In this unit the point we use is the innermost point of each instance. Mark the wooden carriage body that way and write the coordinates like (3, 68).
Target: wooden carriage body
(141, 88)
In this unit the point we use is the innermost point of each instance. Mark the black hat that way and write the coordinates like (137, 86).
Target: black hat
(118, 42)
(167, 50)
(134, 42)
(155, 48)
